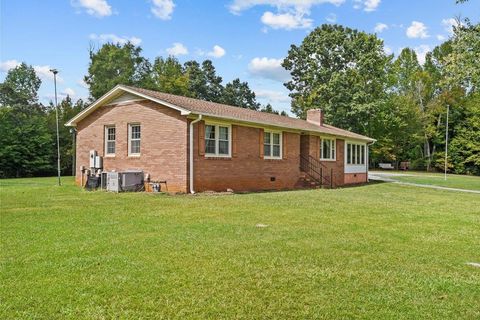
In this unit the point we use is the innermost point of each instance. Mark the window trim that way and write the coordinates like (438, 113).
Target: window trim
(130, 125)
(271, 156)
(107, 154)
(217, 139)
(332, 150)
(359, 148)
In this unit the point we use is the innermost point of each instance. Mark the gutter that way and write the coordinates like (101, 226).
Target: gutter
(192, 191)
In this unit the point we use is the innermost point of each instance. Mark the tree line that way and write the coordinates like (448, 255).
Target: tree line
(398, 101)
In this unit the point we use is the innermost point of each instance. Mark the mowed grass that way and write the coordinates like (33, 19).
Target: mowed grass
(438, 179)
(383, 251)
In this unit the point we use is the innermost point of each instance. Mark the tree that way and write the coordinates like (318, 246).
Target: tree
(25, 147)
(465, 145)
(214, 88)
(237, 93)
(341, 70)
(114, 64)
(20, 88)
(197, 85)
(168, 76)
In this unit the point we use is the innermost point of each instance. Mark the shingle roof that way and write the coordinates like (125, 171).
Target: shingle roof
(219, 110)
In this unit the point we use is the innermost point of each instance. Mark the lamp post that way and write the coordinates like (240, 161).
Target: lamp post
(446, 142)
(55, 71)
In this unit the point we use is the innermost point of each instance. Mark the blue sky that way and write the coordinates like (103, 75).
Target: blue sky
(244, 38)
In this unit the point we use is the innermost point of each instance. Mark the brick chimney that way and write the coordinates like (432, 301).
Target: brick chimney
(315, 116)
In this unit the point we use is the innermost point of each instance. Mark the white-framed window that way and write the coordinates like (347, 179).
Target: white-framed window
(218, 139)
(355, 153)
(134, 138)
(327, 149)
(110, 140)
(272, 145)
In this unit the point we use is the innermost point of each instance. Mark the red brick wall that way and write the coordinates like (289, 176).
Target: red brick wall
(353, 178)
(163, 143)
(246, 170)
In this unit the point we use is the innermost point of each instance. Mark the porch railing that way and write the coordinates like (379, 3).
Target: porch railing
(316, 170)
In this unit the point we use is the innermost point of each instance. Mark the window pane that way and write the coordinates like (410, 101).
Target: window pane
(276, 138)
(354, 152)
(111, 147)
(223, 147)
(209, 132)
(276, 150)
(363, 154)
(358, 154)
(349, 153)
(333, 149)
(223, 133)
(326, 149)
(135, 146)
(111, 133)
(210, 146)
(266, 150)
(266, 137)
(135, 132)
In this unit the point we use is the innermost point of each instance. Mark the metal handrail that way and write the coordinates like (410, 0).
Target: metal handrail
(315, 169)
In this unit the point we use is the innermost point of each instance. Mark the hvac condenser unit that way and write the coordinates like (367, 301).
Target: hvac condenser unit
(113, 181)
(131, 180)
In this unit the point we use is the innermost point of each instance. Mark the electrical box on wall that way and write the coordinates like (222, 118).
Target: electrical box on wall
(93, 155)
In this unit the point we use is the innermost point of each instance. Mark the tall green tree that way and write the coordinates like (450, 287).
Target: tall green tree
(341, 70)
(25, 141)
(214, 88)
(197, 85)
(115, 64)
(168, 76)
(237, 93)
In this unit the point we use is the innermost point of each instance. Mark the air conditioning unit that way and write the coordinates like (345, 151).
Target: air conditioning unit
(93, 155)
(113, 181)
(131, 180)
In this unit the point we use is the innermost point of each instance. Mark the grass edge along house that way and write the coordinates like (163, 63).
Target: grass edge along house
(195, 145)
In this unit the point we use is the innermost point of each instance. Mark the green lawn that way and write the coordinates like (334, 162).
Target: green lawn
(438, 179)
(383, 251)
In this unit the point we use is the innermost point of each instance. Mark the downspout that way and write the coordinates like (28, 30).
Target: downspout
(192, 191)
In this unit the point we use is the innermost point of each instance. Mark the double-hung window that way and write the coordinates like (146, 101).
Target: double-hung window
(110, 140)
(134, 138)
(355, 154)
(327, 151)
(272, 145)
(217, 140)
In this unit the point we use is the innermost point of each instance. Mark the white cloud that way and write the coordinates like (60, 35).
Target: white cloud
(380, 27)
(269, 68)
(290, 14)
(371, 5)
(217, 52)
(8, 64)
(421, 52)
(110, 37)
(238, 6)
(417, 30)
(367, 5)
(441, 37)
(272, 95)
(387, 50)
(98, 8)
(44, 73)
(177, 49)
(70, 92)
(332, 18)
(287, 21)
(163, 9)
(450, 23)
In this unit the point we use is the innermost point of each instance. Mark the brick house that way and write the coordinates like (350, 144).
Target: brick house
(197, 145)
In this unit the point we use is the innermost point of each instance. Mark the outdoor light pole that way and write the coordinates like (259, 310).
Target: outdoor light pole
(446, 142)
(55, 71)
